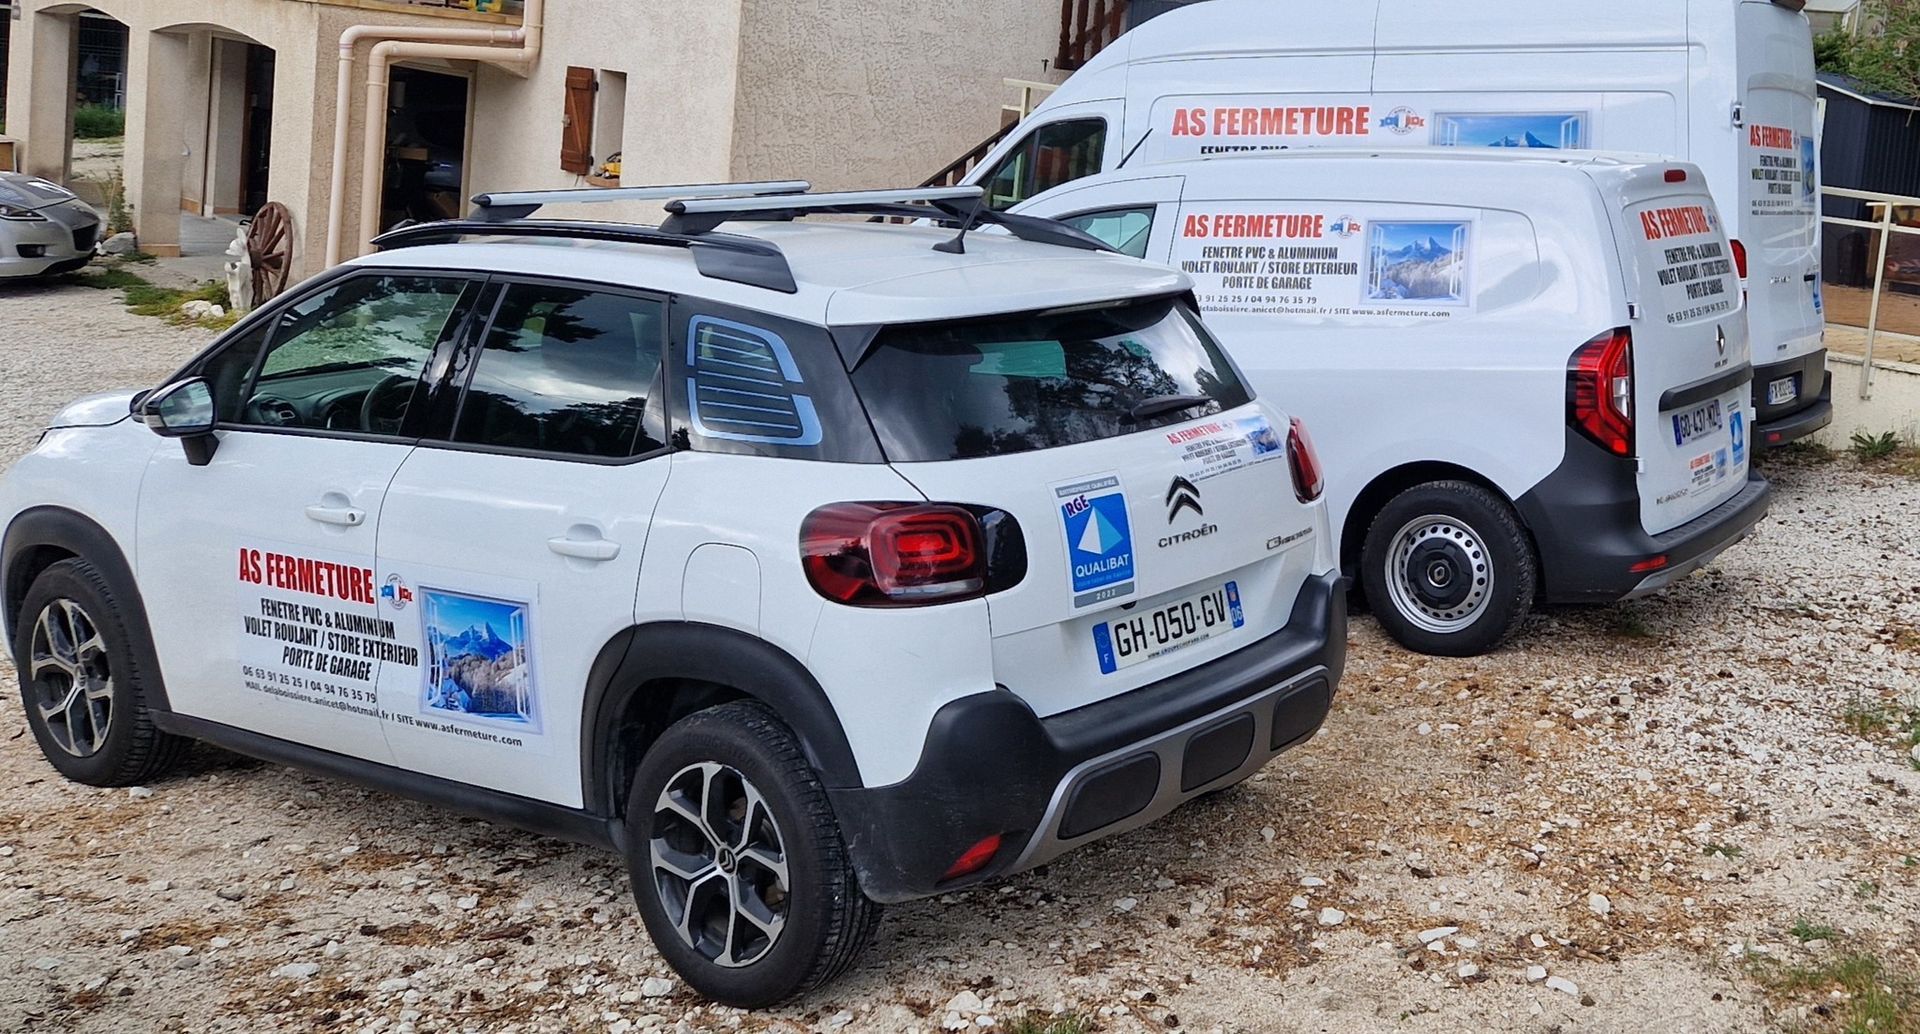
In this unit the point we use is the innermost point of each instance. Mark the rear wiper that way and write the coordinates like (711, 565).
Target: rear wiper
(1160, 405)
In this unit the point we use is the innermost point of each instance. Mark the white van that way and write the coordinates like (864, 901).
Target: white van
(1725, 84)
(1527, 372)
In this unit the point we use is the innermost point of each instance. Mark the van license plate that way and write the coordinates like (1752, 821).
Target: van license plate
(1697, 422)
(1783, 391)
(1125, 642)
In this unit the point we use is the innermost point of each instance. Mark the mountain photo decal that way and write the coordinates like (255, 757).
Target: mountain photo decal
(1417, 261)
(479, 659)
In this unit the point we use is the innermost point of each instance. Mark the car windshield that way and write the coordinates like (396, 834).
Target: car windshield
(1009, 384)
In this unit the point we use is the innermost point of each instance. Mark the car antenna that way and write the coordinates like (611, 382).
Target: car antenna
(1136, 149)
(958, 245)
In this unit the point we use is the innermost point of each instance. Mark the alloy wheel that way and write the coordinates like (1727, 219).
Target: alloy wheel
(70, 677)
(720, 864)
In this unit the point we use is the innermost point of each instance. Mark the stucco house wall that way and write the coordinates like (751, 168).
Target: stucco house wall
(835, 92)
(843, 92)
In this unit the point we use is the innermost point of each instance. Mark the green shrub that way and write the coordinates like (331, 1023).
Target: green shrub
(1875, 446)
(96, 121)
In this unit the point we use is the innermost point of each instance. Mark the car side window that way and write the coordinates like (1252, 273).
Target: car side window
(350, 357)
(1125, 229)
(570, 371)
(1056, 153)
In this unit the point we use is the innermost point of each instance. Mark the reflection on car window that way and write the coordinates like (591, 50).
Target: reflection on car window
(566, 371)
(349, 357)
(1126, 229)
(1010, 384)
(1057, 153)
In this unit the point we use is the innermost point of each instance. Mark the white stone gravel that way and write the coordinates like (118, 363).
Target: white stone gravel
(1685, 757)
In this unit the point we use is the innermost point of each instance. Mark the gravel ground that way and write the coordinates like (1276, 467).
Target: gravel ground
(1641, 800)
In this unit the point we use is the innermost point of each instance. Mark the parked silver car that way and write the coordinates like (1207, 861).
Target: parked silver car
(44, 229)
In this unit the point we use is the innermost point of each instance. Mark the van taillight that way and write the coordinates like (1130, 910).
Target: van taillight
(1308, 480)
(893, 554)
(1600, 391)
(1740, 259)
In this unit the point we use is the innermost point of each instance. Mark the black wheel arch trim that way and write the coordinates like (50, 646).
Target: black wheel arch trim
(72, 532)
(685, 650)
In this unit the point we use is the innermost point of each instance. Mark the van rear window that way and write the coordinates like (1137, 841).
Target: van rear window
(992, 387)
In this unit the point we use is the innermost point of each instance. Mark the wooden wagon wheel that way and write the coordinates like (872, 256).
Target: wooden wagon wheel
(270, 249)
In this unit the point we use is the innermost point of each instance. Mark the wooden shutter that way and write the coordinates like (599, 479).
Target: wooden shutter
(576, 126)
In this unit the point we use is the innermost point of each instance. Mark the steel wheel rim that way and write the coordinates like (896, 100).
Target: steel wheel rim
(1414, 556)
(719, 864)
(70, 678)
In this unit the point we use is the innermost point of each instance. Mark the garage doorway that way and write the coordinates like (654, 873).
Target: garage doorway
(426, 146)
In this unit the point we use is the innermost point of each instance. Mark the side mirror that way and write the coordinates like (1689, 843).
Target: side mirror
(184, 410)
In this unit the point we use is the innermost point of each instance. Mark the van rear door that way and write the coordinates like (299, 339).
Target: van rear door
(1691, 373)
(1778, 220)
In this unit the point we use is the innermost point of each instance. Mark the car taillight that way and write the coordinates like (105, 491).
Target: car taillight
(1308, 481)
(893, 554)
(1600, 391)
(1740, 259)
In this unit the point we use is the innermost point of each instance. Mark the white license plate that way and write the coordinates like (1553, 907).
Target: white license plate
(1783, 391)
(1127, 641)
(1697, 422)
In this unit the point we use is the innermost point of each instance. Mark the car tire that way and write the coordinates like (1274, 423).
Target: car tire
(83, 689)
(1448, 570)
(722, 803)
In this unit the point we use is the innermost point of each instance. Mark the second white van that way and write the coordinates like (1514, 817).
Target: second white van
(1527, 373)
(1724, 84)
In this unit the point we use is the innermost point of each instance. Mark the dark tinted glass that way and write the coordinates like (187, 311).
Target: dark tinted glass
(227, 371)
(567, 371)
(1014, 384)
(1058, 153)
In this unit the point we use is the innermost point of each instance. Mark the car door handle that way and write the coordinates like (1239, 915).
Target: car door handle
(345, 516)
(584, 549)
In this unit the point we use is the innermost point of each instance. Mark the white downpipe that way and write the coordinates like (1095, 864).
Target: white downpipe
(429, 41)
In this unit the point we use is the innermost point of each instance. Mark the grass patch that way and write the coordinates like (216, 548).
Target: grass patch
(145, 298)
(1805, 930)
(1855, 992)
(98, 122)
(1031, 1024)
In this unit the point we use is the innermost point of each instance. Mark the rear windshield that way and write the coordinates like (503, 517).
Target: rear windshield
(992, 387)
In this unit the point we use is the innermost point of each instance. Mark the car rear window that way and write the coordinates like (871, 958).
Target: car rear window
(1009, 384)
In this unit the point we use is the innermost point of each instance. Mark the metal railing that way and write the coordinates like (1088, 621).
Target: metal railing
(1086, 27)
(1884, 227)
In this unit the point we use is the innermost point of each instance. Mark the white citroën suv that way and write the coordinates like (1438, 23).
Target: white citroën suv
(811, 566)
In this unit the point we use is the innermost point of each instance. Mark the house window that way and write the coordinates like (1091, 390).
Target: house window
(609, 124)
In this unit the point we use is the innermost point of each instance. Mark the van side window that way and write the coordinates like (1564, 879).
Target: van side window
(1056, 153)
(1124, 229)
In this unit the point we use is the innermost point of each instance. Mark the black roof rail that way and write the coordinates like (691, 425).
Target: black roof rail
(697, 210)
(722, 256)
(963, 207)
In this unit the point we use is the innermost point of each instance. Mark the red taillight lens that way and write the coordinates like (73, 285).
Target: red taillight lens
(1740, 259)
(1308, 481)
(975, 859)
(1676, 176)
(1600, 391)
(893, 554)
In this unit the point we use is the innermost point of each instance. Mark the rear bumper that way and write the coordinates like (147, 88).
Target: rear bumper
(1585, 520)
(1774, 426)
(990, 766)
